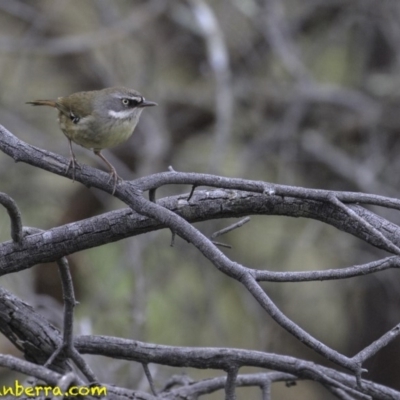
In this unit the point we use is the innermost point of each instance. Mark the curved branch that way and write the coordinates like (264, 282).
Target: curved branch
(109, 227)
(34, 333)
(15, 217)
(220, 358)
(158, 180)
(48, 246)
(30, 369)
(18, 150)
(328, 274)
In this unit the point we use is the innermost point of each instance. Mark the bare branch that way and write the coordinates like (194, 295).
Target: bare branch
(374, 347)
(328, 274)
(212, 358)
(149, 378)
(15, 217)
(230, 228)
(268, 305)
(30, 369)
(367, 226)
(237, 198)
(230, 384)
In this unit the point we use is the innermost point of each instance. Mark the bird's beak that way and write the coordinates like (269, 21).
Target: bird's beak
(147, 103)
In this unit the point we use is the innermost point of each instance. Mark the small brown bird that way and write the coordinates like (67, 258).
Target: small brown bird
(98, 119)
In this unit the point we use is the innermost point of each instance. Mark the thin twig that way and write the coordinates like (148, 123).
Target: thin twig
(230, 228)
(191, 192)
(268, 305)
(68, 326)
(377, 345)
(328, 274)
(375, 232)
(149, 378)
(67, 345)
(219, 244)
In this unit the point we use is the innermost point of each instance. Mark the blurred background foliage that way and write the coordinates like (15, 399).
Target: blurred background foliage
(294, 92)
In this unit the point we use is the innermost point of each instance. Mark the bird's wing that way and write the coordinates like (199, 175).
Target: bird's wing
(73, 106)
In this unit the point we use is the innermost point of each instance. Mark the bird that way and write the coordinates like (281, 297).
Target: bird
(98, 119)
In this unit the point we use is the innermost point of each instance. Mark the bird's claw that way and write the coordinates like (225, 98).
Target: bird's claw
(72, 164)
(114, 176)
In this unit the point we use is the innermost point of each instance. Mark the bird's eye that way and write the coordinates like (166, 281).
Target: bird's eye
(131, 102)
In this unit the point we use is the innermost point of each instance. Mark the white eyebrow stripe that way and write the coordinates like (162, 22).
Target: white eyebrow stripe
(120, 114)
(130, 97)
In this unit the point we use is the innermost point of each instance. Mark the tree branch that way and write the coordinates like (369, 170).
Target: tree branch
(238, 198)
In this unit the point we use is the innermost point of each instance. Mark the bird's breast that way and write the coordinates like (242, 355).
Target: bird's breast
(93, 133)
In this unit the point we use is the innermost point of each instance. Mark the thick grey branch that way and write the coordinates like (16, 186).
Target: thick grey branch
(49, 245)
(57, 242)
(221, 358)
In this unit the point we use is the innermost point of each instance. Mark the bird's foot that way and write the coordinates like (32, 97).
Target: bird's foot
(113, 173)
(114, 177)
(72, 164)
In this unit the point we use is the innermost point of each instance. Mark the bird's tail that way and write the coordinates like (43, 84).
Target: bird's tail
(51, 103)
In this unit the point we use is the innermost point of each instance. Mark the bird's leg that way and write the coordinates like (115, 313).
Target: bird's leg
(72, 161)
(113, 171)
